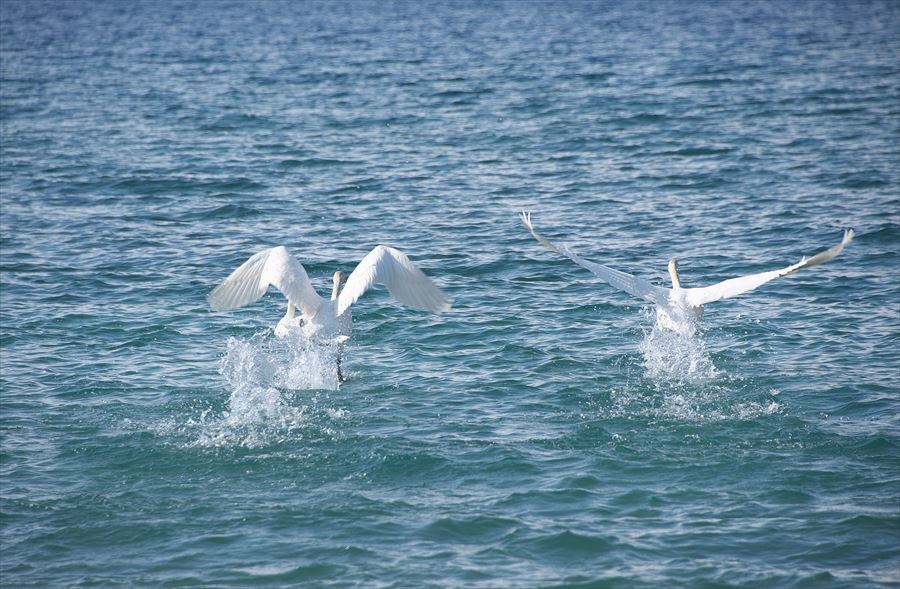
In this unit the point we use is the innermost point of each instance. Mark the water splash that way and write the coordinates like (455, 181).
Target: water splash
(292, 362)
(677, 358)
(720, 401)
(679, 381)
(263, 373)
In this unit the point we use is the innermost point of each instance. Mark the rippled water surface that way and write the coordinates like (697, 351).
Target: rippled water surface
(540, 434)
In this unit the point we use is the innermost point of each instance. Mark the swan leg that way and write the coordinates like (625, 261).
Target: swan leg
(340, 375)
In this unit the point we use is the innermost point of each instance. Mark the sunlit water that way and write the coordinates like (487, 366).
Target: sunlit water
(543, 433)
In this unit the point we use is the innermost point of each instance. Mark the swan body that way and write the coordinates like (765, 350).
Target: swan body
(320, 318)
(677, 308)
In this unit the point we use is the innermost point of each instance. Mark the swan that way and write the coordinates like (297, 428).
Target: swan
(677, 308)
(322, 319)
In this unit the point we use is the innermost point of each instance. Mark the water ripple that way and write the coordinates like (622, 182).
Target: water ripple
(540, 434)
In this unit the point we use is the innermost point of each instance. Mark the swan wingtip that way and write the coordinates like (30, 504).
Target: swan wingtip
(525, 217)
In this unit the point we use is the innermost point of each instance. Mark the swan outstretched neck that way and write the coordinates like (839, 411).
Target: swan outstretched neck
(673, 273)
(678, 308)
(321, 318)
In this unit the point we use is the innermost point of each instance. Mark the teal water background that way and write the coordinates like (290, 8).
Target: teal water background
(540, 434)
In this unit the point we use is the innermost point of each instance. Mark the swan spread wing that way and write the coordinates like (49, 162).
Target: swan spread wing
(735, 286)
(620, 280)
(403, 279)
(275, 267)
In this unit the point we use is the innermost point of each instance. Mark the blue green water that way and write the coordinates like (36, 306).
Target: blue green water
(540, 434)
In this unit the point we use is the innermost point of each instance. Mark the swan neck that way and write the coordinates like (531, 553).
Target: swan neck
(336, 290)
(290, 310)
(673, 273)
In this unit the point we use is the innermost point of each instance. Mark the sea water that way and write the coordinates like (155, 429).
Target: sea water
(543, 432)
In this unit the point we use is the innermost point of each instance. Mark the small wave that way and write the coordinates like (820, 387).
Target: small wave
(697, 151)
(228, 211)
(469, 530)
(234, 122)
(291, 573)
(596, 76)
(711, 82)
(462, 94)
(571, 545)
(149, 186)
(316, 162)
(640, 119)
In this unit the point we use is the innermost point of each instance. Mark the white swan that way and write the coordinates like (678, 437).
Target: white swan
(320, 318)
(679, 308)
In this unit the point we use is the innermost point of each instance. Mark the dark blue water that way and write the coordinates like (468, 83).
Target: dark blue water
(540, 434)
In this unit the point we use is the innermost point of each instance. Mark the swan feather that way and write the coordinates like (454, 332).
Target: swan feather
(272, 267)
(733, 287)
(403, 279)
(633, 285)
(678, 305)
